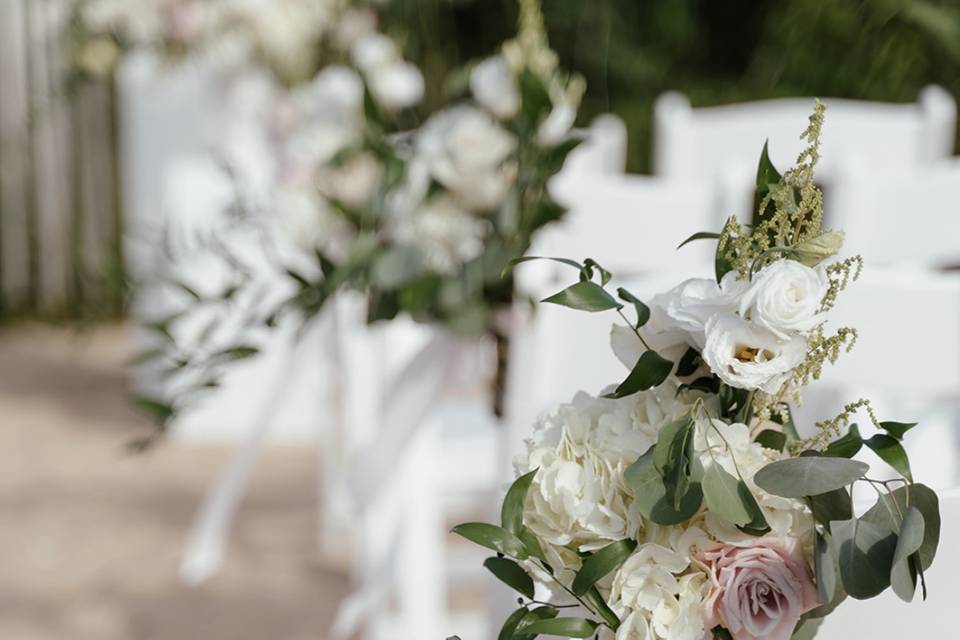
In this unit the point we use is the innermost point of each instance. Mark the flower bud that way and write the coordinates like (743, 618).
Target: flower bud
(813, 251)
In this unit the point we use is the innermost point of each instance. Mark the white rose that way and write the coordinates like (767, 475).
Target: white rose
(691, 303)
(495, 88)
(354, 182)
(466, 151)
(747, 356)
(373, 50)
(785, 297)
(335, 94)
(396, 85)
(447, 235)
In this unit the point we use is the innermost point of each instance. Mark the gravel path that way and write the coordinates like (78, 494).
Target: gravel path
(90, 536)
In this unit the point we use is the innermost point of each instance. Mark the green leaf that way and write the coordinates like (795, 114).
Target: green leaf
(563, 627)
(511, 574)
(700, 235)
(865, 554)
(545, 612)
(599, 564)
(689, 362)
(596, 602)
(585, 296)
(808, 476)
(671, 456)
(511, 513)
(772, 439)
(238, 352)
(650, 371)
(492, 537)
(157, 409)
(832, 505)
(532, 544)
(397, 267)
(767, 175)
(643, 311)
(510, 265)
(535, 99)
(883, 513)
(892, 452)
(721, 492)
(807, 629)
(587, 272)
(903, 573)
(825, 568)
(897, 429)
(847, 446)
(511, 623)
(650, 495)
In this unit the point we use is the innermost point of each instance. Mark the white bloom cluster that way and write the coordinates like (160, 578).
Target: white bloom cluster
(578, 501)
(579, 496)
(750, 334)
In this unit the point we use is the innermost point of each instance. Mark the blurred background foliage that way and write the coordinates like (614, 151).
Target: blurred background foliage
(716, 52)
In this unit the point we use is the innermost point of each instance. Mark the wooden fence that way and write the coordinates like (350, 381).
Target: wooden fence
(60, 224)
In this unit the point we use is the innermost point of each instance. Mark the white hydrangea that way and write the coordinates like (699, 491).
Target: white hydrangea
(582, 450)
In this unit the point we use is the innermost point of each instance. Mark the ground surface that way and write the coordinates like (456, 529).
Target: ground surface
(91, 537)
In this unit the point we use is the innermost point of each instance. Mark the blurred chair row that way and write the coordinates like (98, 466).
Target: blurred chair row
(408, 445)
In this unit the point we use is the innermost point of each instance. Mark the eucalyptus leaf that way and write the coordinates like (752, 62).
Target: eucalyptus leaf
(884, 513)
(865, 554)
(892, 452)
(511, 574)
(532, 544)
(808, 476)
(492, 537)
(903, 573)
(563, 627)
(720, 490)
(832, 505)
(585, 296)
(650, 371)
(846, 446)
(601, 563)
(758, 525)
(589, 265)
(646, 483)
(511, 513)
(825, 568)
(671, 456)
(807, 629)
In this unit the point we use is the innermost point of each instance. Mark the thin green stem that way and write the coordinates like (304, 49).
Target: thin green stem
(635, 330)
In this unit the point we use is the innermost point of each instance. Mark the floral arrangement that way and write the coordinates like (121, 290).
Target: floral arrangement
(682, 504)
(422, 218)
(291, 38)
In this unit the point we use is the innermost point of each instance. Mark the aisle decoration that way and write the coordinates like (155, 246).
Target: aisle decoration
(421, 218)
(682, 504)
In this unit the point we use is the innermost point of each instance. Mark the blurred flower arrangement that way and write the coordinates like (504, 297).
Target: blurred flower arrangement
(422, 217)
(682, 504)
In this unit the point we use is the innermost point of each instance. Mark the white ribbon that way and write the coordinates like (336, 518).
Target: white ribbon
(208, 536)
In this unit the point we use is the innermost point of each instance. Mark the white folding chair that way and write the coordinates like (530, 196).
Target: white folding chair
(907, 216)
(907, 362)
(889, 617)
(722, 144)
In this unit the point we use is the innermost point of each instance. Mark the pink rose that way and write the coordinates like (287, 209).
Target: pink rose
(758, 591)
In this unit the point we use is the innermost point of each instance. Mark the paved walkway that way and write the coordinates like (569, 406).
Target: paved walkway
(90, 536)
